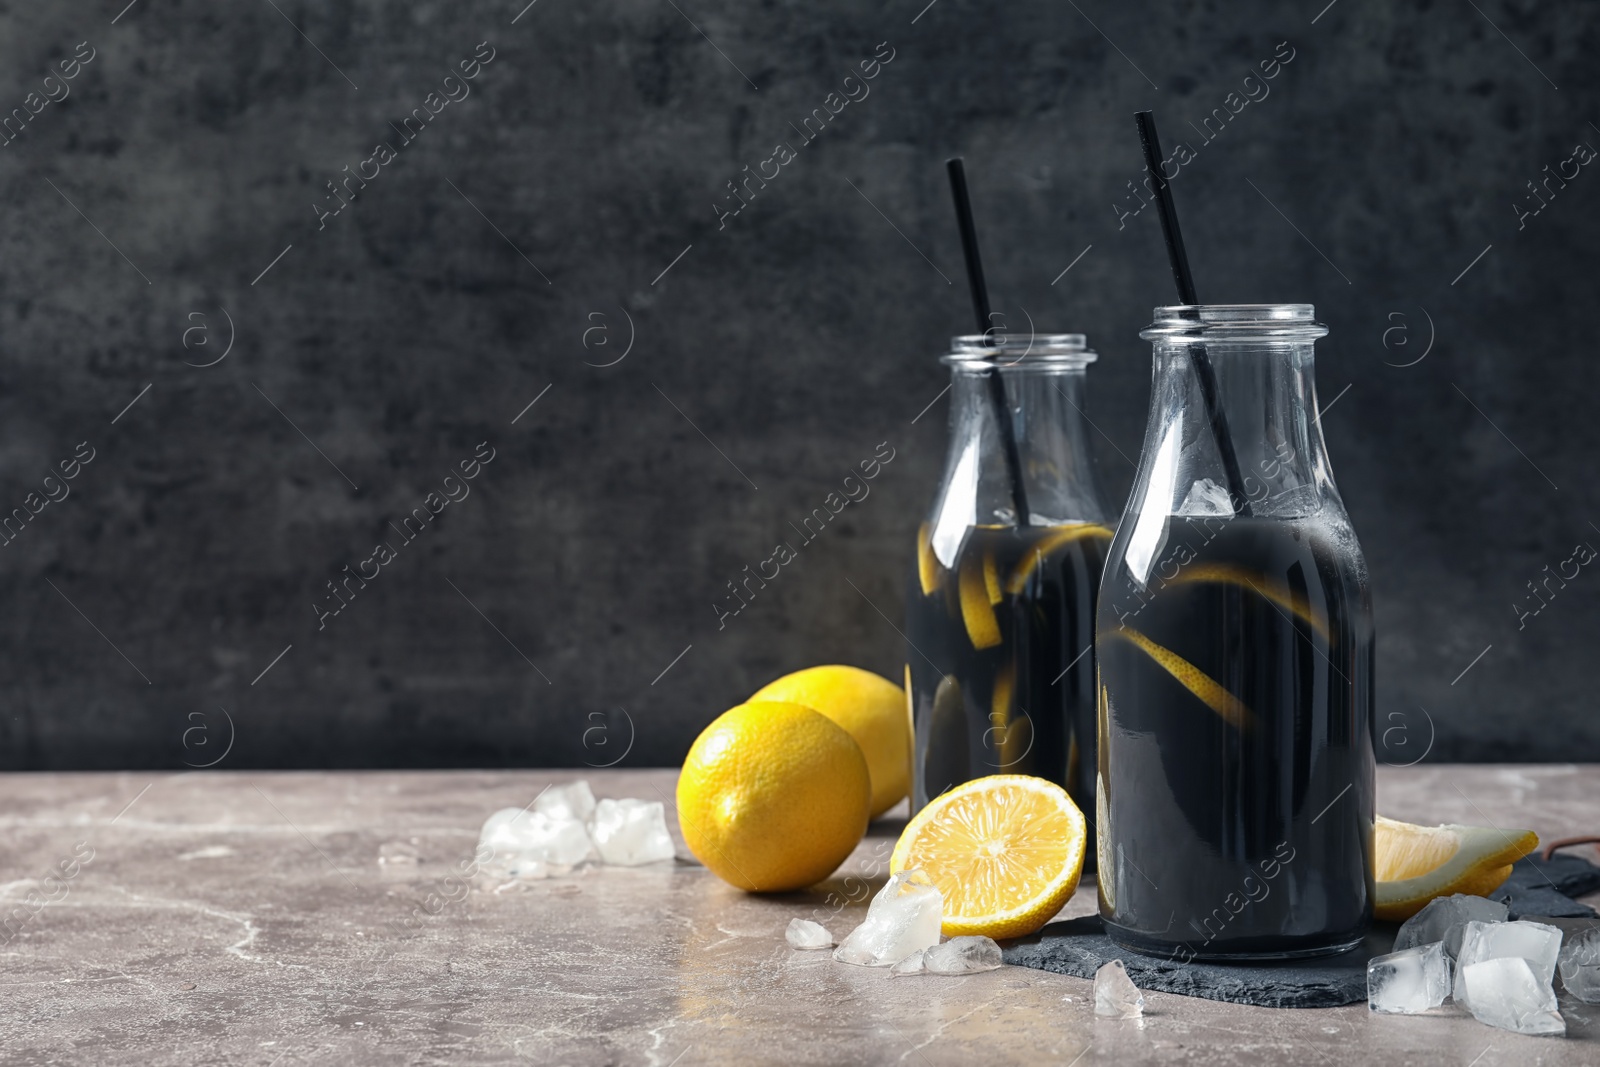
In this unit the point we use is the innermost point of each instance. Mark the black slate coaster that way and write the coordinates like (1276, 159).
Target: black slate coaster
(1545, 887)
(1079, 947)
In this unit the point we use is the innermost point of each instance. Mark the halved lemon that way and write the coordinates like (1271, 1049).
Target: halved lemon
(1413, 864)
(1198, 682)
(1005, 851)
(1047, 544)
(983, 628)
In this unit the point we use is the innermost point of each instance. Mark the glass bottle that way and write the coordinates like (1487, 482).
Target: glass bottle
(1000, 618)
(1235, 647)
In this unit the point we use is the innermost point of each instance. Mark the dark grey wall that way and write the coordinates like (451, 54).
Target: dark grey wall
(533, 621)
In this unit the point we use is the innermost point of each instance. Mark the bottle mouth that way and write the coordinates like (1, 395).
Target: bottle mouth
(999, 349)
(1234, 322)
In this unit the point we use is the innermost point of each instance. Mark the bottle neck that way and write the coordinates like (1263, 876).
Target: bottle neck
(1266, 396)
(1045, 406)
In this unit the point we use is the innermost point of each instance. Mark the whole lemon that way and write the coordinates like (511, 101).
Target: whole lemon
(871, 708)
(773, 796)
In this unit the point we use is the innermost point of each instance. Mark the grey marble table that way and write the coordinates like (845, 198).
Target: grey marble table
(246, 919)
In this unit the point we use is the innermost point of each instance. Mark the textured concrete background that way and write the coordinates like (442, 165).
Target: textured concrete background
(166, 207)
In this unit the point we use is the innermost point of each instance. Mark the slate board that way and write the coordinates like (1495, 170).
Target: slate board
(1545, 887)
(1079, 947)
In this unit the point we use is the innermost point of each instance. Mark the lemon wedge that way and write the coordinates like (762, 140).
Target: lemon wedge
(1413, 864)
(1006, 852)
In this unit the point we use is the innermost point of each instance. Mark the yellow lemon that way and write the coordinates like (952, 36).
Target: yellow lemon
(871, 709)
(1413, 864)
(1005, 851)
(773, 796)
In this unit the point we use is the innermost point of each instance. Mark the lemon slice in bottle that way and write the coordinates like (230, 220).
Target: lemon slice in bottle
(1286, 599)
(976, 611)
(930, 572)
(1211, 693)
(991, 577)
(1058, 536)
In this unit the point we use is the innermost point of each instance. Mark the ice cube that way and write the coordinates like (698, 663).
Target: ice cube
(805, 934)
(912, 964)
(1115, 995)
(1206, 497)
(1445, 919)
(902, 918)
(631, 832)
(532, 844)
(397, 854)
(501, 834)
(1580, 966)
(1410, 981)
(963, 955)
(1506, 992)
(571, 801)
(1535, 942)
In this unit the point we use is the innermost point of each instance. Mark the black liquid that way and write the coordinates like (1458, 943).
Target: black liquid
(1002, 663)
(1237, 820)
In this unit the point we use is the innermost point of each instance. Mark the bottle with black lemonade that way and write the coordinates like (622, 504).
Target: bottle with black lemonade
(1235, 646)
(1000, 613)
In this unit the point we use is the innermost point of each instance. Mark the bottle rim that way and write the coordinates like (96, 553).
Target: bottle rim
(1056, 351)
(1234, 322)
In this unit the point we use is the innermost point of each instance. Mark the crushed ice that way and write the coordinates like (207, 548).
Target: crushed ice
(912, 964)
(1409, 982)
(1115, 995)
(1206, 497)
(1461, 947)
(565, 827)
(959, 955)
(1537, 943)
(904, 917)
(962, 955)
(806, 935)
(1445, 919)
(629, 833)
(1579, 964)
(395, 854)
(1505, 992)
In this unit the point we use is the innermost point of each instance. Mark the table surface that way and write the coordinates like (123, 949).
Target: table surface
(246, 918)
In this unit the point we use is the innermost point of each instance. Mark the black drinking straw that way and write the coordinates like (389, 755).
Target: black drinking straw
(1186, 295)
(980, 307)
